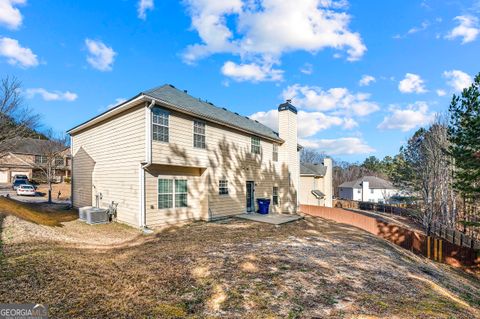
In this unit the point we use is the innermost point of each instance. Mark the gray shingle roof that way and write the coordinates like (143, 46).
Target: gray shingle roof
(312, 169)
(31, 146)
(180, 99)
(373, 182)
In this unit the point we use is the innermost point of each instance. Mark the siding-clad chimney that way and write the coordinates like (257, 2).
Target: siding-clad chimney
(287, 129)
(328, 181)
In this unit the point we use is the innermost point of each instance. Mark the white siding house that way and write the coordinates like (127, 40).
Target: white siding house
(368, 189)
(316, 183)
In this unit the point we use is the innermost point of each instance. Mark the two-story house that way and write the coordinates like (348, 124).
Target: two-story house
(165, 157)
(26, 156)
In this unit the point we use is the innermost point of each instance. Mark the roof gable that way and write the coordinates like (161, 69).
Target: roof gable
(373, 182)
(313, 169)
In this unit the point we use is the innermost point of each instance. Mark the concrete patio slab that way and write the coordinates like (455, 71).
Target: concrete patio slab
(274, 219)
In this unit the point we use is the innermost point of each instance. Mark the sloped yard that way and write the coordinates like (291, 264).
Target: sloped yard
(232, 269)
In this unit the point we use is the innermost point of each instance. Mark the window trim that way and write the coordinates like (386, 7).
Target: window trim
(171, 193)
(275, 152)
(225, 187)
(43, 159)
(165, 112)
(277, 195)
(204, 134)
(174, 192)
(180, 193)
(254, 147)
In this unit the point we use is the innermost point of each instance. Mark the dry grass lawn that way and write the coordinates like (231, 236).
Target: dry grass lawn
(232, 269)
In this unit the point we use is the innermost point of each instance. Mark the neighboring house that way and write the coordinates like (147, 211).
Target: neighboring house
(368, 189)
(316, 183)
(26, 157)
(166, 157)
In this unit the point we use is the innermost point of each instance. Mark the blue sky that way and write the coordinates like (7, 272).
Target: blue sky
(364, 74)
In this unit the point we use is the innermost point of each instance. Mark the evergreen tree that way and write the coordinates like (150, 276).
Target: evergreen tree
(464, 136)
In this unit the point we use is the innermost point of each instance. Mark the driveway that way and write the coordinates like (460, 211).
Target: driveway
(6, 189)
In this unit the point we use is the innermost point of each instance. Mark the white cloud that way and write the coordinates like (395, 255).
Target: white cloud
(307, 69)
(457, 79)
(251, 72)
(16, 54)
(309, 123)
(412, 83)
(118, 100)
(366, 80)
(339, 146)
(52, 95)
(441, 92)
(143, 6)
(414, 115)
(100, 56)
(467, 29)
(265, 29)
(10, 16)
(337, 100)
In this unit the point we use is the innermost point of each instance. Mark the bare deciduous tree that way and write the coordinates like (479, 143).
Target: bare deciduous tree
(16, 120)
(312, 156)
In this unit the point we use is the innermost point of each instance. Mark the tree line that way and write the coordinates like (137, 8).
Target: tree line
(439, 165)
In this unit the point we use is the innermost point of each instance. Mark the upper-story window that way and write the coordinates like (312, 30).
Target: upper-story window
(160, 124)
(255, 149)
(59, 161)
(41, 159)
(199, 134)
(275, 153)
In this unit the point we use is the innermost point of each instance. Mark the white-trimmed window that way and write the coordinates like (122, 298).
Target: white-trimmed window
(170, 197)
(199, 134)
(223, 187)
(181, 193)
(275, 196)
(275, 153)
(41, 159)
(160, 119)
(255, 149)
(165, 193)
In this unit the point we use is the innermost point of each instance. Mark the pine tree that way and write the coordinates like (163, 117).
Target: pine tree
(464, 137)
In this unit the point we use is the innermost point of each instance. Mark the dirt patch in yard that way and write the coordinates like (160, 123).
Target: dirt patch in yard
(43, 214)
(311, 268)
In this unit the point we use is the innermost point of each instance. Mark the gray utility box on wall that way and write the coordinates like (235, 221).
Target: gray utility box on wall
(96, 216)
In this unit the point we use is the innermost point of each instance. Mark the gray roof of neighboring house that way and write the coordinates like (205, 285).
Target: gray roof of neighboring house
(373, 182)
(180, 99)
(313, 169)
(31, 146)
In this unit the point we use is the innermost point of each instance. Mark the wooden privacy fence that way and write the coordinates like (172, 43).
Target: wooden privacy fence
(433, 248)
(454, 236)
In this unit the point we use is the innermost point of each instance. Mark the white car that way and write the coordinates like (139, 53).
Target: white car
(26, 190)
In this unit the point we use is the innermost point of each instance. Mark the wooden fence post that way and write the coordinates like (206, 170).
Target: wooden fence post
(435, 249)
(428, 247)
(440, 250)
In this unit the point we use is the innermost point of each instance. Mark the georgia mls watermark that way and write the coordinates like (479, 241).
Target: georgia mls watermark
(23, 311)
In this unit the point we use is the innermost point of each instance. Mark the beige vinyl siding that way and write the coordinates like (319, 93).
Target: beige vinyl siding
(307, 185)
(83, 166)
(197, 205)
(227, 156)
(117, 146)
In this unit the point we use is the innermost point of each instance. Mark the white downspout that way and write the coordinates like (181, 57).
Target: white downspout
(148, 162)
